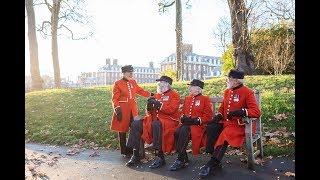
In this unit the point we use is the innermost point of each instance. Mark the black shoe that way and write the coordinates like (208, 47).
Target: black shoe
(158, 162)
(133, 160)
(206, 170)
(128, 152)
(209, 150)
(178, 165)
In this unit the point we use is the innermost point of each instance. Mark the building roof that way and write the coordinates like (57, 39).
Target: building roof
(117, 68)
(191, 57)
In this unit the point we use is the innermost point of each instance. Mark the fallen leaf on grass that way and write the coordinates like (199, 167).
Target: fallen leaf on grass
(274, 140)
(281, 116)
(234, 152)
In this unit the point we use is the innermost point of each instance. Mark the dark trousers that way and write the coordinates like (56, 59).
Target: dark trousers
(136, 131)
(220, 151)
(181, 138)
(157, 135)
(213, 131)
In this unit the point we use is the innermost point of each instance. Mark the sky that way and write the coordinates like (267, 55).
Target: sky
(131, 31)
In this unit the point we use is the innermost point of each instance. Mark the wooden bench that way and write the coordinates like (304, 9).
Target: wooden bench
(252, 140)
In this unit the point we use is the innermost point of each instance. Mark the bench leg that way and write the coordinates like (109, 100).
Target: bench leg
(260, 147)
(249, 148)
(249, 145)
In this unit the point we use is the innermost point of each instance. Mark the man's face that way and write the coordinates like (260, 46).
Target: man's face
(128, 75)
(231, 82)
(193, 90)
(162, 86)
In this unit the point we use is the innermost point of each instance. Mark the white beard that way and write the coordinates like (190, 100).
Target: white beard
(162, 88)
(229, 85)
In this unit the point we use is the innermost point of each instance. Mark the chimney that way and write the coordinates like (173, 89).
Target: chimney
(115, 61)
(151, 64)
(108, 61)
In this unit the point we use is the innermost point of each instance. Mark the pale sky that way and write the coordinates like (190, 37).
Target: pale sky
(131, 31)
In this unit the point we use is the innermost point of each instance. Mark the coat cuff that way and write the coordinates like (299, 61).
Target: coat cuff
(245, 111)
(115, 108)
(161, 106)
(200, 120)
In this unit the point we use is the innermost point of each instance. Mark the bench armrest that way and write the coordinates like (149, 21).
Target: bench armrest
(247, 120)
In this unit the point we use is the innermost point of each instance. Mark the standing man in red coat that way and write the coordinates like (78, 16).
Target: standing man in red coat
(158, 126)
(125, 106)
(227, 127)
(196, 112)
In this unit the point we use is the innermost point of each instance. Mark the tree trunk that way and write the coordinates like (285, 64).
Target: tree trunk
(33, 47)
(54, 42)
(240, 37)
(179, 40)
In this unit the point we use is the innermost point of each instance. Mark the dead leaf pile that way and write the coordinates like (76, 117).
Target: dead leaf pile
(279, 117)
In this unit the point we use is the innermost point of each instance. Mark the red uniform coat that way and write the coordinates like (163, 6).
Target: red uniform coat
(198, 106)
(124, 96)
(168, 115)
(234, 129)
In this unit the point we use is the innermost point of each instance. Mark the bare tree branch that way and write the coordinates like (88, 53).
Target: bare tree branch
(48, 5)
(72, 36)
(168, 5)
(164, 5)
(43, 25)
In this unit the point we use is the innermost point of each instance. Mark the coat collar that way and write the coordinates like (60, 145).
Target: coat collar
(197, 95)
(166, 91)
(237, 87)
(125, 79)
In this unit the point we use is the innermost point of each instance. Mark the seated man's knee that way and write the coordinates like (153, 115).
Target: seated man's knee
(156, 124)
(184, 129)
(214, 127)
(137, 124)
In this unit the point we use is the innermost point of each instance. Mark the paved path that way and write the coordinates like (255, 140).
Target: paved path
(56, 164)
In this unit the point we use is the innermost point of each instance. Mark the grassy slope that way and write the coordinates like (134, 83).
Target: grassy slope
(61, 116)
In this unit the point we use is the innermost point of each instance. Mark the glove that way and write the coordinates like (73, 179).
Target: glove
(216, 119)
(183, 118)
(236, 113)
(156, 103)
(118, 113)
(151, 99)
(149, 106)
(192, 121)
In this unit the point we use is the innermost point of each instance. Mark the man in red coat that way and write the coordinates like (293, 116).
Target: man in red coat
(125, 106)
(158, 126)
(196, 112)
(227, 126)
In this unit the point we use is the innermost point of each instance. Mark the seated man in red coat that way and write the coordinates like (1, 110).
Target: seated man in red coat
(158, 126)
(196, 112)
(227, 127)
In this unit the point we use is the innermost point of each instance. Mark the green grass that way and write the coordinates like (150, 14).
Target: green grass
(60, 116)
